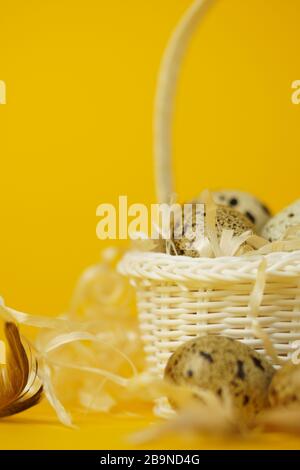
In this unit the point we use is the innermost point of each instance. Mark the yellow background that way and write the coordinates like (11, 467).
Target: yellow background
(76, 132)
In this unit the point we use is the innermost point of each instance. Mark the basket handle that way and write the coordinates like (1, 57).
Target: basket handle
(165, 93)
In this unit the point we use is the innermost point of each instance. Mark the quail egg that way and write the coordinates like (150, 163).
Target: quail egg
(285, 386)
(277, 225)
(226, 218)
(255, 210)
(220, 364)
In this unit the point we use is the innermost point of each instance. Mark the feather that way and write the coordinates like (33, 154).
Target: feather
(280, 420)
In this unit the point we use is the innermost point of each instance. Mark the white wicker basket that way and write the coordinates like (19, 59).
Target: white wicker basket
(179, 297)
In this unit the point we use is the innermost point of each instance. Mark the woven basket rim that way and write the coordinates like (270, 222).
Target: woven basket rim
(164, 267)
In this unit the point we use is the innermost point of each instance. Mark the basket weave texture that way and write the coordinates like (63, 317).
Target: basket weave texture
(179, 298)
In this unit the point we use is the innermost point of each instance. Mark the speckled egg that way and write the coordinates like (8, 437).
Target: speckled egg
(217, 363)
(285, 386)
(277, 225)
(226, 218)
(255, 210)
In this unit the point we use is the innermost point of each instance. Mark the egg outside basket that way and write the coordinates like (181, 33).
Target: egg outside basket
(179, 297)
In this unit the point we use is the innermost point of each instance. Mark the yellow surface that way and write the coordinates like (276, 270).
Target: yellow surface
(38, 429)
(76, 131)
